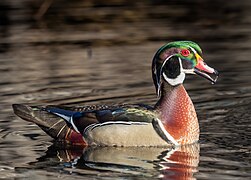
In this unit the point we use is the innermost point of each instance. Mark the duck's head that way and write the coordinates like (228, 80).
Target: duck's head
(174, 60)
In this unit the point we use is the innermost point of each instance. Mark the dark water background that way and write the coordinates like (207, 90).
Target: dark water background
(100, 52)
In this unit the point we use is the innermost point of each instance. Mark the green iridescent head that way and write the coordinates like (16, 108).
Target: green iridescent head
(175, 59)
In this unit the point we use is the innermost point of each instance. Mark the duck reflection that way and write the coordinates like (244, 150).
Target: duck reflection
(164, 163)
(179, 163)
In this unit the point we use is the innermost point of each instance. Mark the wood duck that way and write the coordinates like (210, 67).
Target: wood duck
(171, 122)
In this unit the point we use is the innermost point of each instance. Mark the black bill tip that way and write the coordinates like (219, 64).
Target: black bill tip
(207, 76)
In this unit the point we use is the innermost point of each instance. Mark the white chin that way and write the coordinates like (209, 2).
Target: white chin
(178, 80)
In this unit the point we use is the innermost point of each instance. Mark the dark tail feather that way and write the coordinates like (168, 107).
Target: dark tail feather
(53, 125)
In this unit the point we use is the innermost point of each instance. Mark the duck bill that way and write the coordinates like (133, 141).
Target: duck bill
(202, 69)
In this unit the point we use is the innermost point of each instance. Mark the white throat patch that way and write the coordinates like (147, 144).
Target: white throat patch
(179, 79)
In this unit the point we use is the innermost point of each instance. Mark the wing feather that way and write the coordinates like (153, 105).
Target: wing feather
(82, 117)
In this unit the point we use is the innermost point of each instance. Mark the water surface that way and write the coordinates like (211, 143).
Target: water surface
(101, 54)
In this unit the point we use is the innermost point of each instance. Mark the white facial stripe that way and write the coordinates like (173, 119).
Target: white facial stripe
(159, 82)
(189, 71)
(165, 62)
(195, 52)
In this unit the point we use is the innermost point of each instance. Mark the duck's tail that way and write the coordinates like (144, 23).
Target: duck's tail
(53, 125)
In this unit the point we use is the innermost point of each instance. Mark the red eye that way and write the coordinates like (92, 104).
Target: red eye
(185, 52)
